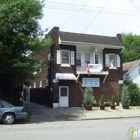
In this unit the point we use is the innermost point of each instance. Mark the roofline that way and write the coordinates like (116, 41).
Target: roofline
(73, 42)
(131, 68)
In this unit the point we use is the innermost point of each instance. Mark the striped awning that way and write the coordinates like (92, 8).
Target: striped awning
(65, 76)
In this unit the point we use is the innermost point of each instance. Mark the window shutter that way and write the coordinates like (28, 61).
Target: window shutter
(118, 61)
(107, 60)
(72, 57)
(58, 56)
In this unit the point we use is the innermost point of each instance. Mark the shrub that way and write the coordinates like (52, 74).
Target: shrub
(88, 96)
(113, 100)
(134, 93)
(125, 98)
(102, 100)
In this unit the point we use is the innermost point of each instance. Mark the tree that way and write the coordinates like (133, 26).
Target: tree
(20, 34)
(132, 47)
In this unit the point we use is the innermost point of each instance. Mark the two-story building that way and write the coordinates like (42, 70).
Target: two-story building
(66, 76)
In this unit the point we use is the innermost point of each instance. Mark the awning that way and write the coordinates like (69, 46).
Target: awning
(65, 76)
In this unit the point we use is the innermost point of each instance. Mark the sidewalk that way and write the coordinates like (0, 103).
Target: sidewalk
(44, 114)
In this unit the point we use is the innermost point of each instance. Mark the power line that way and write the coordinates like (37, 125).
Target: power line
(75, 14)
(113, 11)
(96, 16)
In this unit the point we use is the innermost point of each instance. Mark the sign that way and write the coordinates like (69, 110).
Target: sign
(95, 67)
(91, 82)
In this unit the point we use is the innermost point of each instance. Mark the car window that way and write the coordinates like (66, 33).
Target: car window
(5, 104)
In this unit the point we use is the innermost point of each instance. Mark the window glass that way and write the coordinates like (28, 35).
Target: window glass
(96, 59)
(112, 59)
(6, 105)
(63, 91)
(78, 59)
(87, 57)
(65, 57)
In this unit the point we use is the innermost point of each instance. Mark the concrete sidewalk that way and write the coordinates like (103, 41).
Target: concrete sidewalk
(44, 114)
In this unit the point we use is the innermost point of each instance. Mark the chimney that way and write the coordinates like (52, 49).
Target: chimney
(119, 36)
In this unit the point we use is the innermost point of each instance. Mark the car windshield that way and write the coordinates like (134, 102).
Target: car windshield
(6, 105)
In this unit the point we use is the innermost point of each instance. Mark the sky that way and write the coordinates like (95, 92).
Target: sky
(98, 17)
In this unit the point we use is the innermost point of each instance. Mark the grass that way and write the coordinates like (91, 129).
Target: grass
(29, 115)
(138, 107)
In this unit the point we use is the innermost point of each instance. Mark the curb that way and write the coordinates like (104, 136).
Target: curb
(110, 118)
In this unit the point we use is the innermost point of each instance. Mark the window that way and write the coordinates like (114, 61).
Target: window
(34, 84)
(49, 56)
(78, 59)
(96, 59)
(47, 82)
(40, 83)
(112, 60)
(87, 57)
(65, 59)
(63, 91)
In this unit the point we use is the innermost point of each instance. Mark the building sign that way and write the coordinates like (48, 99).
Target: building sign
(91, 82)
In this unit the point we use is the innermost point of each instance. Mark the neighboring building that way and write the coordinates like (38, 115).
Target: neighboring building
(66, 77)
(132, 69)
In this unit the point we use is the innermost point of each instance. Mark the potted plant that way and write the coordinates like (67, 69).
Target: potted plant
(102, 105)
(125, 98)
(88, 98)
(113, 100)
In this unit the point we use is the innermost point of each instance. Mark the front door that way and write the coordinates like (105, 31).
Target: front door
(63, 96)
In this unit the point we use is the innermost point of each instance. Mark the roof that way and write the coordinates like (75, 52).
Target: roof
(87, 38)
(129, 65)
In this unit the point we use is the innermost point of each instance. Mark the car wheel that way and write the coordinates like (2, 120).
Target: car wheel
(9, 118)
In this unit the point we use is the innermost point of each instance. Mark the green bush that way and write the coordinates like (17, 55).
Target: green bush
(113, 100)
(125, 98)
(134, 93)
(88, 96)
(102, 100)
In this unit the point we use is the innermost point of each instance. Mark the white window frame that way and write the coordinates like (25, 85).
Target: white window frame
(66, 88)
(114, 67)
(34, 84)
(40, 85)
(65, 65)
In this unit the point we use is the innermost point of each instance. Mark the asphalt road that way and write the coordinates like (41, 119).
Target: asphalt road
(113, 129)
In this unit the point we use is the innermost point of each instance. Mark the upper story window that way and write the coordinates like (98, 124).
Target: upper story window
(96, 59)
(65, 59)
(78, 59)
(112, 60)
(87, 57)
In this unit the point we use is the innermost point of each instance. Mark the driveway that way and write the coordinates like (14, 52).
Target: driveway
(46, 114)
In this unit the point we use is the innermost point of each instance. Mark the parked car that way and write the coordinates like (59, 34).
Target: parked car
(9, 113)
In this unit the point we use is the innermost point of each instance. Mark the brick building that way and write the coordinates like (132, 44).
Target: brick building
(66, 78)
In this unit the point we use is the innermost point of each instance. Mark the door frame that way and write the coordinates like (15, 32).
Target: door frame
(67, 94)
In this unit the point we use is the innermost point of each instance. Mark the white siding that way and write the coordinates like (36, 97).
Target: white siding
(134, 75)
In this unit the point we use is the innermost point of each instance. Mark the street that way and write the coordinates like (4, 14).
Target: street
(106, 129)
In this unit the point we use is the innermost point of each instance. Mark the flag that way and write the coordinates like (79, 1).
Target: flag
(86, 67)
(111, 64)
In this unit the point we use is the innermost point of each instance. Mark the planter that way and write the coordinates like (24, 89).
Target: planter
(125, 106)
(102, 107)
(113, 106)
(88, 107)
